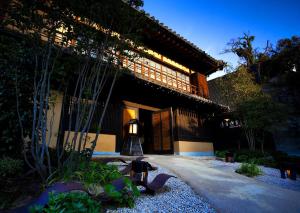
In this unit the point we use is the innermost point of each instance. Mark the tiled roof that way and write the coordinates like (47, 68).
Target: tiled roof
(189, 43)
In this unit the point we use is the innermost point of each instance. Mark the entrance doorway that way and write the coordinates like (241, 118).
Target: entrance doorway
(162, 127)
(156, 128)
(157, 131)
(145, 119)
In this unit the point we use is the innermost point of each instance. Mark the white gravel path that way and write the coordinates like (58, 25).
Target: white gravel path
(175, 196)
(269, 175)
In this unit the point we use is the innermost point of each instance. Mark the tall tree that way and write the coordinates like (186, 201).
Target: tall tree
(242, 92)
(243, 48)
(98, 34)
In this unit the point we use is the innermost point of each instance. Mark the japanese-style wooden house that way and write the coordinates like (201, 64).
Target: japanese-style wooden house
(167, 91)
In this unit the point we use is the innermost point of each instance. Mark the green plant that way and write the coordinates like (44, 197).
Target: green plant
(221, 154)
(15, 93)
(96, 172)
(249, 169)
(10, 167)
(68, 202)
(241, 158)
(90, 173)
(256, 157)
(266, 161)
(126, 196)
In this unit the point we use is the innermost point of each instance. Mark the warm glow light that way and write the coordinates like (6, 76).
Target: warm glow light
(133, 128)
(294, 68)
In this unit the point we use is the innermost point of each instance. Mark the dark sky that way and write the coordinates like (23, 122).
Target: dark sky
(210, 24)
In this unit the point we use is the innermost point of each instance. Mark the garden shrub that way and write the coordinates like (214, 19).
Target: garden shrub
(16, 74)
(249, 169)
(68, 202)
(256, 157)
(124, 197)
(266, 161)
(95, 172)
(221, 153)
(97, 178)
(89, 173)
(10, 167)
(241, 158)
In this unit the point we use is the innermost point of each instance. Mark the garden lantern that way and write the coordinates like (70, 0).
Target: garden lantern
(133, 127)
(132, 144)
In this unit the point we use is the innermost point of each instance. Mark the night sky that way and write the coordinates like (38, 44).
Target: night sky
(211, 24)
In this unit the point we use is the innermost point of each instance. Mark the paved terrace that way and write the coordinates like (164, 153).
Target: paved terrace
(228, 191)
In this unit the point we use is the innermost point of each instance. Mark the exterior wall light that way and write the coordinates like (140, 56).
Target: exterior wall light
(228, 123)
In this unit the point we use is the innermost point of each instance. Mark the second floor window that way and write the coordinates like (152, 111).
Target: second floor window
(158, 72)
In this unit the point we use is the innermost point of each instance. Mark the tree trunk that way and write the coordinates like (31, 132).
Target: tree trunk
(250, 138)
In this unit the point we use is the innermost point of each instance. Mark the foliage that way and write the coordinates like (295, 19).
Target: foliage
(97, 177)
(126, 196)
(10, 171)
(89, 173)
(261, 113)
(241, 158)
(241, 90)
(10, 167)
(236, 87)
(249, 169)
(221, 154)
(69, 202)
(285, 57)
(264, 159)
(96, 173)
(256, 110)
(15, 84)
(92, 31)
(243, 48)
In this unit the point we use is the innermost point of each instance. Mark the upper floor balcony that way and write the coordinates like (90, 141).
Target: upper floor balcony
(183, 82)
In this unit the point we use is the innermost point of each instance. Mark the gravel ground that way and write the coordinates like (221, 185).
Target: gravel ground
(270, 175)
(175, 196)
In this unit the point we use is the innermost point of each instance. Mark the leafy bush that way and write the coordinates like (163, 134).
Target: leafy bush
(97, 177)
(266, 161)
(242, 158)
(10, 167)
(249, 169)
(94, 172)
(68, 202)
(89, 173)
(250, 154)
(256, 157)
(16, 72)
(124, 197)
(221, 154)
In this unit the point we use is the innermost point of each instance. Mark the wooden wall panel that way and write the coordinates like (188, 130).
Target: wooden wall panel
(156, 123)
(189, 125)
(162, 131)
(166, 128)
(199, 80)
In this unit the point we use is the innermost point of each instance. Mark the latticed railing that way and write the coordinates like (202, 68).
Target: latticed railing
(158, 76)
